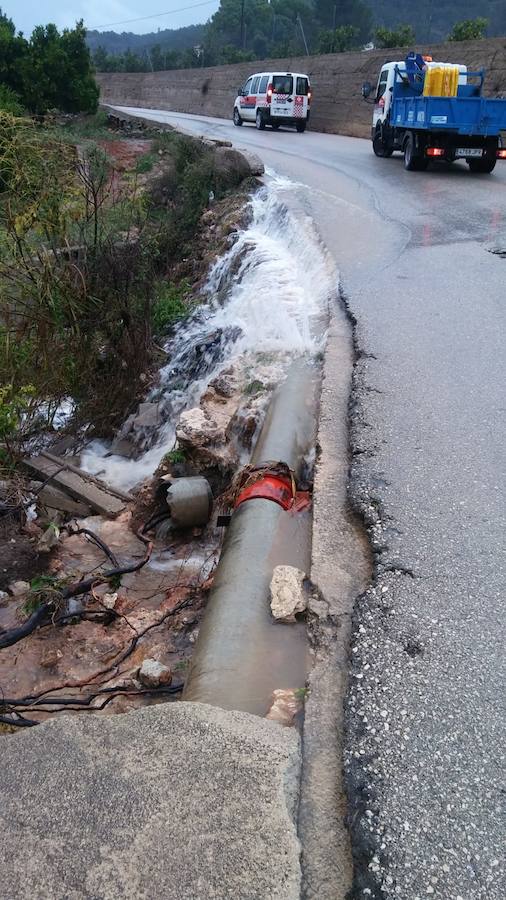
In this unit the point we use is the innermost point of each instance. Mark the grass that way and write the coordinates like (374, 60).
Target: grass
(254, 387)
(145, 163)
(87, 128)
(175, 456)
(171, 305)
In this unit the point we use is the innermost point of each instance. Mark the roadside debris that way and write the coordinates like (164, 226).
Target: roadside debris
(287, 705)
(288, 597)
(190, 501)
(77, 484)
(152, 674)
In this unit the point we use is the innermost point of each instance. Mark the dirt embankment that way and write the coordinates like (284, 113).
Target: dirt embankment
(336, 78)
(126, 640)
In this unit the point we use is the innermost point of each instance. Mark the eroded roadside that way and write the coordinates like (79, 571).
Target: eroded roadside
(340, 567)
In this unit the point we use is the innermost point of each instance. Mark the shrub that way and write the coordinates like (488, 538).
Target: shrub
(469, 30)
(10, 101)
(402, 36)
(170, 305)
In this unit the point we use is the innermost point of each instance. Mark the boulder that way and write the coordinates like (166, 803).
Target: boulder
(255, 163)
(196, 429)
(230, 166)
(288, 597)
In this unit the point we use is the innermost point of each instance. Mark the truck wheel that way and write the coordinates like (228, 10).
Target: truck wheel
(236, 117)
(380, 148)
(301, 127)
(485, 166)
(413, 160)
(260, 121)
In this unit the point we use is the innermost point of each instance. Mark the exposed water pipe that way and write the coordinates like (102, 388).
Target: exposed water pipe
(242, 655)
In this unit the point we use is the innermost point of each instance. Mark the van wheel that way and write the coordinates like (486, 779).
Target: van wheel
(485, 166)
(301, 127)
(260, 121)
(236, 117)
(413, 160)
(380, 148)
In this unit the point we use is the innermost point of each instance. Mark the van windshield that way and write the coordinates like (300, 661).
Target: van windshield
(282, 84)
(302, 87)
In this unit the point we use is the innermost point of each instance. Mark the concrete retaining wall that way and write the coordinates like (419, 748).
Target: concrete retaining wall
(337, 78)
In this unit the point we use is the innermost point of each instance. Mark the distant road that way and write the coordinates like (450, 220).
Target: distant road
(425, 751)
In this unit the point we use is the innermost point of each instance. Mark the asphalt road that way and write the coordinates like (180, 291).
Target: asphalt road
(425, 741)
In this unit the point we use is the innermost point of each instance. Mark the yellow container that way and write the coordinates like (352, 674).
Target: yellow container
(441, 81)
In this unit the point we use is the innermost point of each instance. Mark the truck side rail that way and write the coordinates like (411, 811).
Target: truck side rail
(415, 89)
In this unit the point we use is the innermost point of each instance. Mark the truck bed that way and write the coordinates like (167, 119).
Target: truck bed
(480, 116)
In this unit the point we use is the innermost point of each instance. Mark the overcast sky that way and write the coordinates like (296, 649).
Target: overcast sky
(64, 13)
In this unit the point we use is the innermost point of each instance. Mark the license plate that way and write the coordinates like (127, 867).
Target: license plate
(466, 152)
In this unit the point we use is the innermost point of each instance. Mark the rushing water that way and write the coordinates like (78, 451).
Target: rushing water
(268, 294)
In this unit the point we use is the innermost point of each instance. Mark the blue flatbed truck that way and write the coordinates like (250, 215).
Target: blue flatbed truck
(464, 126)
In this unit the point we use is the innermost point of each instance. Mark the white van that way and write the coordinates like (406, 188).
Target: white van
(274, 98)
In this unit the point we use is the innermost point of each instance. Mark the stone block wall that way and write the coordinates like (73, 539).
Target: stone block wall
(336, 79)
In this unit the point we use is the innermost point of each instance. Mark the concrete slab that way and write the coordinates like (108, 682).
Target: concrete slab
(76, 484)
(172, 801)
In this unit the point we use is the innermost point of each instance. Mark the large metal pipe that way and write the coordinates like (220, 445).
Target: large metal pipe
(241, 654)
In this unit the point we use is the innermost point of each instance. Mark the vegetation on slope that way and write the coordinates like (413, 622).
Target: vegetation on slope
(278, 29)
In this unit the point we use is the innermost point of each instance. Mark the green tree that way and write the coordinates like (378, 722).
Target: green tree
(346, 13)
(339, 40)
(105, 62)
(13, 49)
(469, 30)
(57, 71)
(402, 36)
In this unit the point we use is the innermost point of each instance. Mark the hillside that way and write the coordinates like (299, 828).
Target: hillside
(433, 19)
(168, 38)
(272, 29)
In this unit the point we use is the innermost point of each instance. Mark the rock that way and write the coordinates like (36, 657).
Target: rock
(288, 597)
(138, 431)
(50, 658)
(19, 588)
(123, 447)
(231, 166)
(286, 705)
(4, 598)
(109, 600)
(196, 429)
(225, 384)
(49, 539)
(153, 674)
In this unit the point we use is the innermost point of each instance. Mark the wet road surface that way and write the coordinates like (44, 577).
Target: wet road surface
(425, 741)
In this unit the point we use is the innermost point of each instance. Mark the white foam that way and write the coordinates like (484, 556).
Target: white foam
(267, 293)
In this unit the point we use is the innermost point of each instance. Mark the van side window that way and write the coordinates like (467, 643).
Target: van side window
(247, 87)
(282, 84)
(382, 83)
(302, 87)
(263, 85)
(254, 86)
